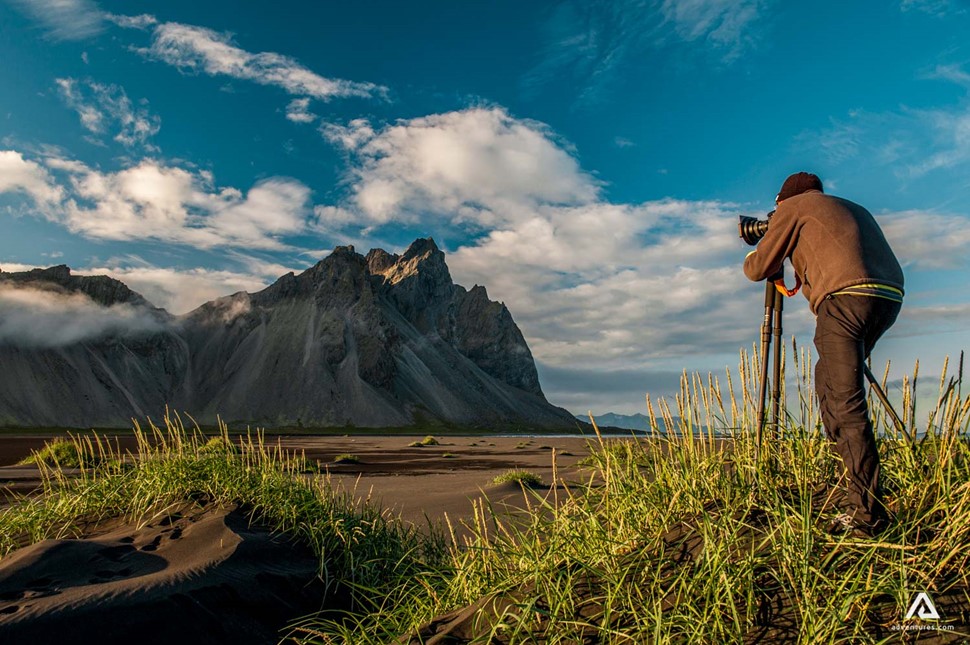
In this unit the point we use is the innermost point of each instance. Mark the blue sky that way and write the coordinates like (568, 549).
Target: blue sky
(586, 161)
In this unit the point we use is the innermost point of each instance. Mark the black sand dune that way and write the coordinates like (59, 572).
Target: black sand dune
(199, 575)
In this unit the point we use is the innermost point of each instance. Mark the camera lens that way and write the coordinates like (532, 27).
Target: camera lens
(751, 229)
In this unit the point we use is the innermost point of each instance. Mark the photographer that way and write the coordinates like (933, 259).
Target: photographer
(854, 286)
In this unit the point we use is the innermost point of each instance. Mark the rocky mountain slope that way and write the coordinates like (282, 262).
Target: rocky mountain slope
(381, 340)
(128, 363)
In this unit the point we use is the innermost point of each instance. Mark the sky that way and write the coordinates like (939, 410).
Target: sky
(585, 160)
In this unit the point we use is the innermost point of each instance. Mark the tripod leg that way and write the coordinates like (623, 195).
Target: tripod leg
(765, 345)
(779, 303)
(885, 401)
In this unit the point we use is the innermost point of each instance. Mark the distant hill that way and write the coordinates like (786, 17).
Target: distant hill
(611, 419)
(637, 421)
(376, 341)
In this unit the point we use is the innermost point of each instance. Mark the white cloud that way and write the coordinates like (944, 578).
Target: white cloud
(34, 317)
(298, 111)
(65, 19)
(479, 166)
(15, 267)
(182, 290)
(22, 175)
(153, 201)
(142, 21)
(177, 290)
(333, 218)
(262, 268)
(198, 49)
(928, 240)
(350, 136)
(107, 107)
(956, 313)
(272, 208)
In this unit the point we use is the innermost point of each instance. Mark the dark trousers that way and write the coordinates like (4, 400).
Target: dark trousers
(847, 328)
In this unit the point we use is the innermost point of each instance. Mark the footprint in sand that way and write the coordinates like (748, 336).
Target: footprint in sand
(153, 545)
(107, 575)
(173, 534)
(112, 553)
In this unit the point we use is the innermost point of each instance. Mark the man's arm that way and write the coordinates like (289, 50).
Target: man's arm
(768, 259)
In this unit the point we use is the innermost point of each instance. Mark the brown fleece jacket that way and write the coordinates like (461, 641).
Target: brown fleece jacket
(832, 242)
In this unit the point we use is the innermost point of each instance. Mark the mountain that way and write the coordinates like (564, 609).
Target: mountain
(627, 421)
(370, 341)
(613, 420)
(83, 351)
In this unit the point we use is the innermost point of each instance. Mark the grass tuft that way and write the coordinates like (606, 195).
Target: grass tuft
(523, 477)
(74, 452)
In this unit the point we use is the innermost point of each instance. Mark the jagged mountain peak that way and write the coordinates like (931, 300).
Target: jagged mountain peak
(380, 261)
(422, 258)
(102, 289)
(421, 247)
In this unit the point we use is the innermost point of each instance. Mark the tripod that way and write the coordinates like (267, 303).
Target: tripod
(772, 326)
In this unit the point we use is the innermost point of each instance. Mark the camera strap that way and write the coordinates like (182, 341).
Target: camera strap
(785, 291)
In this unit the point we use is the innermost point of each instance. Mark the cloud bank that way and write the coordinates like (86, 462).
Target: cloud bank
(179, 291)
(40, 318)
(154, 201)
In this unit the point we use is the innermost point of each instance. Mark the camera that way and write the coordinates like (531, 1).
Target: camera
(752, 229)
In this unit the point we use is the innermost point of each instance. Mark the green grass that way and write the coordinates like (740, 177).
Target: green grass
(695, 537)
(523, 477)
(220, 444)
(362, 550)
(427, 441)
(74, 452)
(346, 458)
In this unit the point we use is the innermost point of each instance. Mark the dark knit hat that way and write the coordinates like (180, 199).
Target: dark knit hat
(797, 184)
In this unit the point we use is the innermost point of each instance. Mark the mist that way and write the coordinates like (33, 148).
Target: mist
(44, 318)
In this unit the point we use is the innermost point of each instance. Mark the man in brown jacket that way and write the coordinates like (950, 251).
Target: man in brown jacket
(854, 286)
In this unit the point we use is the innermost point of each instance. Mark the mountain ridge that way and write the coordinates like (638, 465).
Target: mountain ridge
(370, 341)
